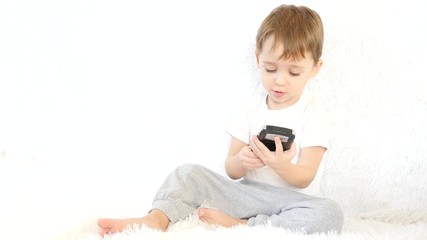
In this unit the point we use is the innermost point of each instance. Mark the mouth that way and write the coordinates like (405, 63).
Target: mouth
(278, 93)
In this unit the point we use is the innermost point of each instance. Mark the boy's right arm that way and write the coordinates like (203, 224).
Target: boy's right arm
(240, 158)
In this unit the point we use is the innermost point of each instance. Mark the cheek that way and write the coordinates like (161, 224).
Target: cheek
(300, 84)
(267, 79)
(266, 82)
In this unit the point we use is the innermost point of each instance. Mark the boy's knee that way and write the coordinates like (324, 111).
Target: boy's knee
(326, 215)
(188, 168)
(190, 171)
(333, 216)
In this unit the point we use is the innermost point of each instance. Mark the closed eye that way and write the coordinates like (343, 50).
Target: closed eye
(270, 70)
(294, 74)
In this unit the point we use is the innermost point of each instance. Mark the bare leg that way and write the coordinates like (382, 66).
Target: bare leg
(213, 216)
(156, 219)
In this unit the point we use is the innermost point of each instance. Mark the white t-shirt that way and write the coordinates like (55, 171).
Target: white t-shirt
(310, 126)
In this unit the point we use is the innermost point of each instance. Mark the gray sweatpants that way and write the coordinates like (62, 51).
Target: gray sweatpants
(190, 186)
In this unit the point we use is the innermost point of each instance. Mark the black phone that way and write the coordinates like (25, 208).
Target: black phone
(268, 133)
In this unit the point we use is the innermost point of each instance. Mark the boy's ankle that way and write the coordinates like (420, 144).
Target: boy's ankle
(160, 217)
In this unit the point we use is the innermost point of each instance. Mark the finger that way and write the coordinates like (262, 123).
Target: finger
(255, 146)
(260, 149)
(279, 146)
(251, 144)
(253, 165)
(250, 153)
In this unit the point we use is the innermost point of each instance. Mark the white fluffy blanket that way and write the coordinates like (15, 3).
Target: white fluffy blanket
(384, 225)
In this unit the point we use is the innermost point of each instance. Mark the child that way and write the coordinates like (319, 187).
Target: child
(276, 187)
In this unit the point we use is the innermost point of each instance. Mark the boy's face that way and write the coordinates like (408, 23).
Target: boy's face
(284, 79)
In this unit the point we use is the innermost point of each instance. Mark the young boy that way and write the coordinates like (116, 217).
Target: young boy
(276, 187)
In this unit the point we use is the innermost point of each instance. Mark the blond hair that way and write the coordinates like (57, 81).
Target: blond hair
(297, 28)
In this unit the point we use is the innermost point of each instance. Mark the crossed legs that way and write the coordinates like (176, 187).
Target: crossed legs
(193, 187)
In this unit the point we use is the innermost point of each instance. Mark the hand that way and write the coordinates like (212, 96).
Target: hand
(275, 160)
(249, 160)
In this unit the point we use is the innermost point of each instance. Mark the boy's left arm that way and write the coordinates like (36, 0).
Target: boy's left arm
(304, 172)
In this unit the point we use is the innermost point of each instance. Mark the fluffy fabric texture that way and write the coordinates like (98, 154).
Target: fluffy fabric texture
(384, 226)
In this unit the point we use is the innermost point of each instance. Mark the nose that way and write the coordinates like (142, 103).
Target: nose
(281, 80)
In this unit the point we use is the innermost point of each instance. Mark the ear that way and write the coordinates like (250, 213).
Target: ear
(257, 59)
(317, 67)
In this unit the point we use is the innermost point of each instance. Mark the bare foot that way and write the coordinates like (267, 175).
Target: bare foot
(213, 216)
(155, 219)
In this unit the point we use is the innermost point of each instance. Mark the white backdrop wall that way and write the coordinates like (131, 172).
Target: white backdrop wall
(100, 100)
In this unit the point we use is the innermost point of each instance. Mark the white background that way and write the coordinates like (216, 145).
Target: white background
(100, 100)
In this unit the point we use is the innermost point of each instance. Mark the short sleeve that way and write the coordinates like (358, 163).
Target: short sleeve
(316, 130)
(238, 126)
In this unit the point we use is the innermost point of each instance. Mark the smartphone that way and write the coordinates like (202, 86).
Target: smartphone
(268, 133)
